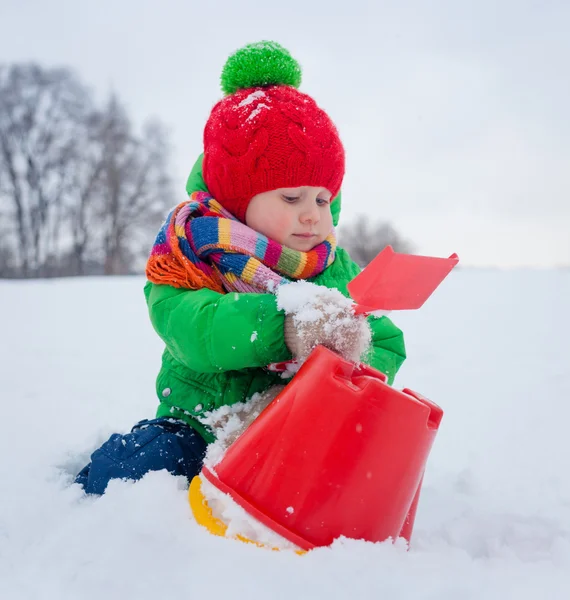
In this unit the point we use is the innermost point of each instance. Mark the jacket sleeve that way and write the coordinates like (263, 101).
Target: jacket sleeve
(388, 350)
(210, 332)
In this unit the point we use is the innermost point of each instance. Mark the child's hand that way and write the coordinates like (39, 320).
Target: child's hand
(325, 317)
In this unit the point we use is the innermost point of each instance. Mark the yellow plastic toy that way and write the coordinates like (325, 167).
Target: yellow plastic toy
(205, 517)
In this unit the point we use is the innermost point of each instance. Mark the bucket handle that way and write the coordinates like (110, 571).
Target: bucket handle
(358, 377)
(435, 412)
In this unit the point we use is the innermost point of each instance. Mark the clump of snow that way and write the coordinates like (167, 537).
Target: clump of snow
(255, 96)
(300, 297)
(252, 97)
(291, 367)
(240, 522)
(321, 315)
(256, 111)
(253, 336)
(229, 422)
(379, 313)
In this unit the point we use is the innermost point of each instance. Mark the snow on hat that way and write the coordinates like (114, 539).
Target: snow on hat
(265, 134)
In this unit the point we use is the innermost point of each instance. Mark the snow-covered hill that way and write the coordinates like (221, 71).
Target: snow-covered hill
(78, 360)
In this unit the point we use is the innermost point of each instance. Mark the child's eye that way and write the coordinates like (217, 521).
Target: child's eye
(290, 198)
(322, 201)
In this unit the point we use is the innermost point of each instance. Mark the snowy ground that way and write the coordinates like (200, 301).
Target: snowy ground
(78, 360)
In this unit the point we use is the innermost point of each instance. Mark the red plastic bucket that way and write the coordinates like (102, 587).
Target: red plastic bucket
(338, 453)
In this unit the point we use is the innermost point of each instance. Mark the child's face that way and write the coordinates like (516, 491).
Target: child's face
(299, 218)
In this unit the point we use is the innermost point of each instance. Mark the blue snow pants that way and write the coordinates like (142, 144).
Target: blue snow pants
(151, 445)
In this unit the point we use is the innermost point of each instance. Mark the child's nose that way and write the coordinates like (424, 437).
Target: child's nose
(310, 215)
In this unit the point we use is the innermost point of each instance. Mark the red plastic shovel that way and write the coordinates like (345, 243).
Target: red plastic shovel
(395, 281)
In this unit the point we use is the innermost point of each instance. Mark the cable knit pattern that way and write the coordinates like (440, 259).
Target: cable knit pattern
(264, 138)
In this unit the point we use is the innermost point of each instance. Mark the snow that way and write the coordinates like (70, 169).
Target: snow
(380, 313)
(252, 98)
(240, 522)
(78, 360)
(301, 295)
(257, 110)
(229, 422)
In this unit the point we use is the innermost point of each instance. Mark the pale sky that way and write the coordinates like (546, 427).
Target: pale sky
(455, 115)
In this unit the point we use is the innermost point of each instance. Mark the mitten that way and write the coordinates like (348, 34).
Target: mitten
(319, 315)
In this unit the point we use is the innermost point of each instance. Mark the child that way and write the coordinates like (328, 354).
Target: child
(264, 200)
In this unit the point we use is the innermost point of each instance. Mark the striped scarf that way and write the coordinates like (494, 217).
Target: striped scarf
(202, 245)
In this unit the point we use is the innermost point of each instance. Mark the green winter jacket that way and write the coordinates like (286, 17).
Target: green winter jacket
(217, 345)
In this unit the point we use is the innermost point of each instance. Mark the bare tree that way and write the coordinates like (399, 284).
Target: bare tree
(7, 258)
(41, 115)
(84, 202)
(80, 190)
(365, 239)
(135, 188)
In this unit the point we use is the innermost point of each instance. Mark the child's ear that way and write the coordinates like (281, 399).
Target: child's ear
(195, 182)
(335, 208)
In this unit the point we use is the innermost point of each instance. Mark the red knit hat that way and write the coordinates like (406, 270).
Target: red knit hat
(265, 134)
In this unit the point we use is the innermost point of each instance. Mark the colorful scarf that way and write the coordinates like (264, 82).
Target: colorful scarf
(202, 245)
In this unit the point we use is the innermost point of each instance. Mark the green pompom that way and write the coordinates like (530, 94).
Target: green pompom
(260, 64)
